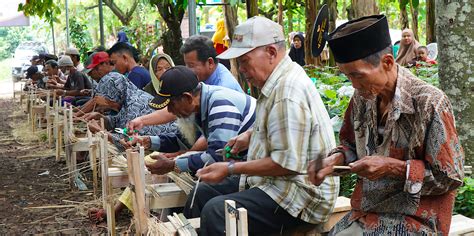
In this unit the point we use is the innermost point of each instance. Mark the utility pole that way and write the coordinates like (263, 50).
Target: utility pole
(192, 17)
(101, 24)
(67, 24)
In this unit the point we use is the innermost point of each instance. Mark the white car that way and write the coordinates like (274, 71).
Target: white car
(23, 54)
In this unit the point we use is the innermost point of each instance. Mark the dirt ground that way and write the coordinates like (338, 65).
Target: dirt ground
(35, 197)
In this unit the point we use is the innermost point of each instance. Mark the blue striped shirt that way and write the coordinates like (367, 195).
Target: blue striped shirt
(224, 114)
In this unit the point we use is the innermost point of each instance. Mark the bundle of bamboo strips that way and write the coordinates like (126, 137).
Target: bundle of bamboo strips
(183, 180)
(182, 225)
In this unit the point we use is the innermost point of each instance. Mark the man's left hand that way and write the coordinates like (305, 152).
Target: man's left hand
(376, 167)
(161, 166)
(214, 173)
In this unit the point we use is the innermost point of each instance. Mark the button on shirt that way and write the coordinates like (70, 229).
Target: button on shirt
(293, 127)
(222, 77)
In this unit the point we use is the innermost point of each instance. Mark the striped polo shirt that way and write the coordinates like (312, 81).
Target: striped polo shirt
(224, 114)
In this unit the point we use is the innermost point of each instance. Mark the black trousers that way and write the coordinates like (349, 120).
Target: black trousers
(264, 214)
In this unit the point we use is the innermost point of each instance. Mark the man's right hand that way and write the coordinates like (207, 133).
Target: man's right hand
(144, 141)
(240, 142)
(135, 124)
(317, 176)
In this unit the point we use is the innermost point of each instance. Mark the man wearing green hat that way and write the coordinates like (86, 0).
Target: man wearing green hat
(398, 136)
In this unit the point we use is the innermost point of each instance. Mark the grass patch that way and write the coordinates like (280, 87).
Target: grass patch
(6, 69)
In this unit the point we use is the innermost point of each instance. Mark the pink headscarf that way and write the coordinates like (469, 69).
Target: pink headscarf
(407, 52)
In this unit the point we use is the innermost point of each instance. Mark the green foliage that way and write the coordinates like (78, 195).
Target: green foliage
(80, 37)
(335, 90)
(10, 38)
(44, 9)
(426, 72)
(348, 183)
(465, 199)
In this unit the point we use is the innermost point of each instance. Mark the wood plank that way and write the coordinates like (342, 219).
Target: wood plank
(342, 204)
(170, 196)
(195, 223)
(108, 201)
(230, 218)
(461, 225)
(137, 180)
(242, 223)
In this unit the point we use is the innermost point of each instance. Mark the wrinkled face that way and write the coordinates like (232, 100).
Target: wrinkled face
(254, 66)
(120, 61)
(50, 71)
(422, 54)
(297, 42)
(406, 38)
(161, 67)
(368, 80)
(182, 106)
(202, 69)
(100, 71)
(65, 69)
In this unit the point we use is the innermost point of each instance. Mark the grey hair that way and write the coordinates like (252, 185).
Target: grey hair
(374, 59)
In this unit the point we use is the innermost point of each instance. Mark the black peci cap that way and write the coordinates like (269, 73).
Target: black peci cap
(359, 38)
(174, 82)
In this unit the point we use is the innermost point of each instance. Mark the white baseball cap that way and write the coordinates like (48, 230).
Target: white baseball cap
(255, 32)
(72, 51)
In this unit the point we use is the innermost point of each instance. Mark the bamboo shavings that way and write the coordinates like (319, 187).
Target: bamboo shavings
(183, 180)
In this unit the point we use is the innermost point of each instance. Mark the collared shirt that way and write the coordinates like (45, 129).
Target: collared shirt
(419, 130)
(293, 127)
(224, 114)
(133, 101)
(139, 76)
(222, 77)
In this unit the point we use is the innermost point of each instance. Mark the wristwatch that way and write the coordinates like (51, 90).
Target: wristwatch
(230, 167)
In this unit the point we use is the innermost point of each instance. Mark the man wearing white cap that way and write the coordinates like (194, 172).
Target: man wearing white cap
(76, 84)
(76, 58)
(291, 127)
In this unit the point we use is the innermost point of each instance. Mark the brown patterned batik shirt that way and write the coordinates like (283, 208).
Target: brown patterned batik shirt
(420, 130)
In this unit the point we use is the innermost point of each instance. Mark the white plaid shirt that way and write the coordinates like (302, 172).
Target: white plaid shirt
(293, 127)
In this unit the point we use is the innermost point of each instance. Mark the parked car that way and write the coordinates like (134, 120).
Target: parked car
(23, 54)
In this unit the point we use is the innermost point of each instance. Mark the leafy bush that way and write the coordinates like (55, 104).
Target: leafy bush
(80, 37)
(465, 199)
(427, 73)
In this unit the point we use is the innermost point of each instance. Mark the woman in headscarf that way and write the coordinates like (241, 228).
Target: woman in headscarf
(221, 42)
(158, 65)
(297, 49)
(122, 37)
(408, 46)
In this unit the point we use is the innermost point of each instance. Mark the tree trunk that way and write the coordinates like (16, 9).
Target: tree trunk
(360, 8)
(455, 35)
(414, 20)
(403, 16)
(332, 6)
(124, 17)
(430, 21)
(172, 14)
(280, 13)
(231, 21)
(311, 10)
(252, 8)
(289, 15)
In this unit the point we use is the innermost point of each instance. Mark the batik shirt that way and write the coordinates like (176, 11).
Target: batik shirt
(134, 103)
(419, 130)
(292, 127)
